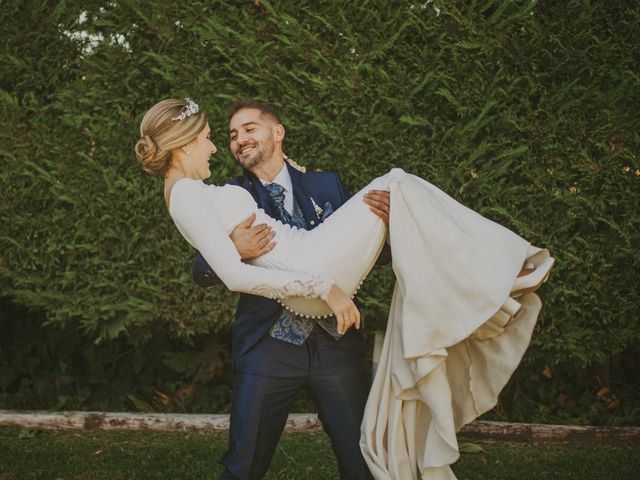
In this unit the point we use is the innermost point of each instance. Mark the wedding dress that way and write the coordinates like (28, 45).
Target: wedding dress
(454, 335)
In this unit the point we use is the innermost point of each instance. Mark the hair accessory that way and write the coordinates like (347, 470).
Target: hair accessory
(191, 108)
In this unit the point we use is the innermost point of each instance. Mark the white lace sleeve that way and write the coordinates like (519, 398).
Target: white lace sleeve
(312, 287)
(197, 220)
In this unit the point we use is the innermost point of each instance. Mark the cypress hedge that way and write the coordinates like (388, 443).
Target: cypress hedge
(525, 111)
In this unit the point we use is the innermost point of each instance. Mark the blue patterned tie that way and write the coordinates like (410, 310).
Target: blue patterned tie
(290, 327)
(277, 194)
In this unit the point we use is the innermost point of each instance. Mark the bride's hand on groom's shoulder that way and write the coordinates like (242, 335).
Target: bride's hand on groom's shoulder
(252, 241)
(342, 306)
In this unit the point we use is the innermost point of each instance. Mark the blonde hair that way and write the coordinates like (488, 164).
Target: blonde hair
(160, 134)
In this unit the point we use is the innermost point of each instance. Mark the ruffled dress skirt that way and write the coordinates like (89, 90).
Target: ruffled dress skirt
(455, 332)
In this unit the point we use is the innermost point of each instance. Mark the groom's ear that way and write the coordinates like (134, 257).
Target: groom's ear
(278, 132)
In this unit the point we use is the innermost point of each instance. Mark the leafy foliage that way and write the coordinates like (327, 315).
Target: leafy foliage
(525, 111)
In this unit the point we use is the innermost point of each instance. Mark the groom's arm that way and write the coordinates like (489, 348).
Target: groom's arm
(202, 273)
(379, 202)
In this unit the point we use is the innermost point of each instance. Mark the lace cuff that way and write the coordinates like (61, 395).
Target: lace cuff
(309, 286)
(323, 287)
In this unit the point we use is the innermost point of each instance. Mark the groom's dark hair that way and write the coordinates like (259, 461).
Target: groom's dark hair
(265, 108)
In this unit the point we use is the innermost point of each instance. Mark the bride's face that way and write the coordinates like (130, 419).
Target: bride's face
(252, 137)
(200, 150)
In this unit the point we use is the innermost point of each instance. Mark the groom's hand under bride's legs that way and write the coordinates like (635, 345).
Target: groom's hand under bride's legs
(379, 202)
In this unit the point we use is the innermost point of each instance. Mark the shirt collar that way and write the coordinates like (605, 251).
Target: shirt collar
(283, 178)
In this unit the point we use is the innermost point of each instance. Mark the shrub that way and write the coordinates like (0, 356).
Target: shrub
(525, 111)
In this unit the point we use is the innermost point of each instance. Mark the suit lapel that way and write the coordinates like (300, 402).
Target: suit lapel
(302, 196)
(300, 192)
(260, 194)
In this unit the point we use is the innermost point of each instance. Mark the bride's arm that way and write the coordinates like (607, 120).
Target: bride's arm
(251, 240)
(202, 228)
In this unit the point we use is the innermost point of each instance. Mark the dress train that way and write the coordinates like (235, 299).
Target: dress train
(454, 335)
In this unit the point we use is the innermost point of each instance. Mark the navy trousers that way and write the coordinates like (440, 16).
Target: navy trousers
(267, 379)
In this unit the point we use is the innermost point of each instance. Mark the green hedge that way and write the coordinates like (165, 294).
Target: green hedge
(525, 111)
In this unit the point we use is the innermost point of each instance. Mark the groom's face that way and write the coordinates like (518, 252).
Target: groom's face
(252, 137)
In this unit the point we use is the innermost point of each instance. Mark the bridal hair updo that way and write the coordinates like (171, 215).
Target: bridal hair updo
(168, 125)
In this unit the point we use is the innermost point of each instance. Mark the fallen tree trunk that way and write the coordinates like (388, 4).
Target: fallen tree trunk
(478, 430)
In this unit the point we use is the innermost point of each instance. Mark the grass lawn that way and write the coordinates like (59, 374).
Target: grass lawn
(97, 454)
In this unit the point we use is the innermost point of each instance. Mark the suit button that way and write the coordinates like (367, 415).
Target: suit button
(312, 222)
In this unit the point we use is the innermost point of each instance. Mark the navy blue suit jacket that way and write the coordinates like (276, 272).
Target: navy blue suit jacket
(255, 315)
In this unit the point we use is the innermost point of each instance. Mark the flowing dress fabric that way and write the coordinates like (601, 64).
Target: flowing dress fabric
(447, 352)
(449, 348)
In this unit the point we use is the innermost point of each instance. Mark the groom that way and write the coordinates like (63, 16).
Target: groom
(275, 353)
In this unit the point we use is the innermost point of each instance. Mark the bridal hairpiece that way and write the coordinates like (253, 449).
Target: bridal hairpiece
(190, 108)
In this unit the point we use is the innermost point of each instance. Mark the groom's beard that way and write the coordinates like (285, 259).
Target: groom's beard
(261, 153)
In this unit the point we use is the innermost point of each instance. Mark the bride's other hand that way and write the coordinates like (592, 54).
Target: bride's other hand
(252, 241)
(379, 202)
(346, 312)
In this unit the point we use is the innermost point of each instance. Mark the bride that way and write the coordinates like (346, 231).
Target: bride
(462, 312)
